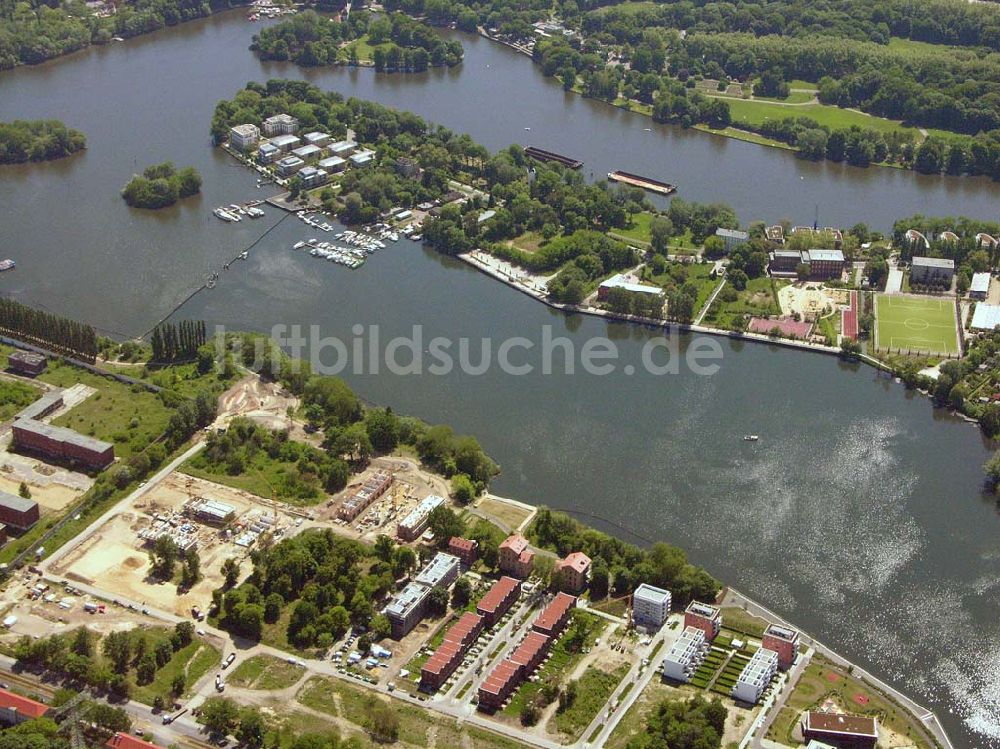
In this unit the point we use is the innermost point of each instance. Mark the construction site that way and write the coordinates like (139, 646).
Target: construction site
(215, 521)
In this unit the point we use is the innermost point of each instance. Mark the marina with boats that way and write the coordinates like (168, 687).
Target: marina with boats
(350, 248)
(234, 213)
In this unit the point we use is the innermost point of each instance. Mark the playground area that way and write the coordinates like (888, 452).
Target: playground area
(913, 324)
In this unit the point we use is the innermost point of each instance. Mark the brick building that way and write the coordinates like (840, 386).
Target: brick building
(26, 363)
(18, 512)
(841, 730)
(704, 617)
(16, 709)
(498, 599)
(555, 616)
(63, 444)
(785, 642)
(465, 549)
(515, 558)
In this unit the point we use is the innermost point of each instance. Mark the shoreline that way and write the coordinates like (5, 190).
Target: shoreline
(733, 597)
(740, 132)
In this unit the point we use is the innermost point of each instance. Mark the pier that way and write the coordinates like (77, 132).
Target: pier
(542, 155)
(646, 183)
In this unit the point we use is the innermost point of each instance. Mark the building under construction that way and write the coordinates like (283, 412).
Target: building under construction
(183, 534)
(377, 485)
(210, 511)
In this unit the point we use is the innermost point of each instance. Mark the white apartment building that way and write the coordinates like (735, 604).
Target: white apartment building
(685, 655)
(650, 606)
(756, 676)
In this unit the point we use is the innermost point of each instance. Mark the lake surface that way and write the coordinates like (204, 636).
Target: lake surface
(859, 515)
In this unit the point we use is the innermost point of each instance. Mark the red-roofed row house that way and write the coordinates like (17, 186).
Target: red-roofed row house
(457, 641)
(498, 599)
(508, 675)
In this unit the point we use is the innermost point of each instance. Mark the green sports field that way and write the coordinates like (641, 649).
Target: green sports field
(915, 324)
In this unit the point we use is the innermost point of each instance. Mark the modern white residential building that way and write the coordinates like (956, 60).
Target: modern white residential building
(286, 142)
(415, 522)
(756, 676)
(244, 137)
(650, 606)
(280, 124)
(685, 655)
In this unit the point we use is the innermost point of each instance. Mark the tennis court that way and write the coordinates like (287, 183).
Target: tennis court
(915, 324)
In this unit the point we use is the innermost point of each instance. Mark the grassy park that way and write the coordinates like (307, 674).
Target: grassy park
(265, 672)
(915, 324)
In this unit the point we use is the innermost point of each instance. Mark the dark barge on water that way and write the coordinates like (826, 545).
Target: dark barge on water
(646, 183)
(542, 155)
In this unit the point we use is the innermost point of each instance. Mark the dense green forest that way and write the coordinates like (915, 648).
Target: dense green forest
(161, 185)
(178, 341)
(32, 32)
(38, 140)
(397, 42)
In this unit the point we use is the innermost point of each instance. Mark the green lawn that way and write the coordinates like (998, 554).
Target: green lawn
(915, 324)
(759, 298)
(638, 230)
(592, 692)
(266, 673)
(754, 113)
(738, 620)
(263, 476)
(129, 416)
(15, 396)
(697, 273)
(561, 661)
(365, 50)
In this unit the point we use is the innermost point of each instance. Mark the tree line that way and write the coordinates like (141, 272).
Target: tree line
(174, 341)
(38, 140)
(61, 334)
(619, 567)
(31, 33)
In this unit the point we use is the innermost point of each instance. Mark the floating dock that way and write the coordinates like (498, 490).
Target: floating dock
(653, 185)
(542, 155)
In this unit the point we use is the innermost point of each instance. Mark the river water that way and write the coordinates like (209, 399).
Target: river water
(859, 515)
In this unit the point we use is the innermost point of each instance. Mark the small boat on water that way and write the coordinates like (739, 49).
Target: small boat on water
(7, 264)
(750, 437)
(225, 215)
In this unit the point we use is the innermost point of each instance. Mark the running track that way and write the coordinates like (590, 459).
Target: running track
(849, 322)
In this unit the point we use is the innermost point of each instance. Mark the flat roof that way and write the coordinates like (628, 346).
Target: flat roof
(702, 609)
(268, 147)
(782, 633)
(41, 406)
(286, 139)
(980, 282)
(731, 233)
(28, 357)
(835, 256)
(407, 599)
(61, 434)
(245, 129)
(934, 262)
(331, 161)
(650, 593)
(842, 723)
(621, 281)
(307, 150)
(436, 569)
(421, 511)
(986, 316)
(16, 503)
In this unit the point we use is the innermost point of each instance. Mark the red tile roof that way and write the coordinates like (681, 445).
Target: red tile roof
(443, 657)
(555, 611)
(499, 678)
(23, 705)
(465, 544)
(516, 542)
(461, 630)
(127, 741)
(497, 594)
(577, 560)
(530, 648)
